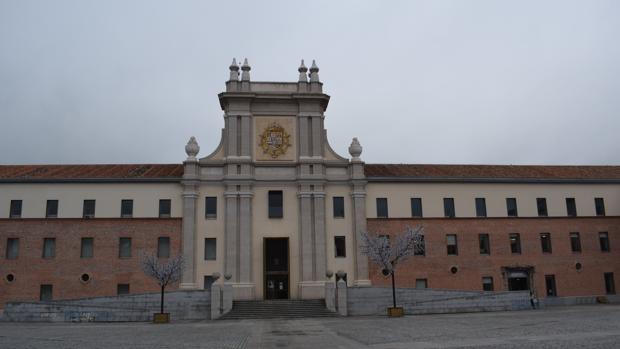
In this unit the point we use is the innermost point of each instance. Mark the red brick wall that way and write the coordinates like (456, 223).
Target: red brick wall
(64, 270)
(472, 266)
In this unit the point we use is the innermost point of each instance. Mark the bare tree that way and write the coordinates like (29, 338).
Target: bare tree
(388, 254)
(165, 273)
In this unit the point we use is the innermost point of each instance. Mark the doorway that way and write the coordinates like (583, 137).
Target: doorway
(276, 268)
(518, 279)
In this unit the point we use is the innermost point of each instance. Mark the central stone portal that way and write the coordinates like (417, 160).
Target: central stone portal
(276, 268)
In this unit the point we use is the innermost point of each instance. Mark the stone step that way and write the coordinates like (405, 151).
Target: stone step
(278, 309)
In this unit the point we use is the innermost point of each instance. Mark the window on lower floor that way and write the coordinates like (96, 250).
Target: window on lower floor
(483, 242)
(340, 246)
(545, 242)
(550, 284)
(276, 202)
(515, 243)
(416, 207)
(210, 249)
(575, 242)
(571, 207)
(126, 208)
(452, 245)
(124, 247)
(163, 247)
(382, 207)
(51, 209)
(603, 239)
(421, 283)
(12, 248)
(165, 207)
(49, 247)
(610, 286)
(16, 209)
(481, 207)
(599, 205)
(487, 283)
(122, 289)
(86, 248)
(46, 293)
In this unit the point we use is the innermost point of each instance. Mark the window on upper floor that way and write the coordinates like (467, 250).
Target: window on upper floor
(210, 249)
(276, 204)
(515, 243)
(448, 207)
(481, 207)
(575, 242)
(382, 207)
(452, 245)
(163, 247)
(16, 209)
(88, 210)
(12, 248)
(126, 208)
(165, 207)
(340, 246)
(338, 203)
(51, 209)
(484, 243)
(49, 248)
(545, 242)
(599, 205)
(511, 207)
(571, 207)
(541, 205)
(603, 239)
(211, 207)
(416, 207)
(87, 248)
(124, 247)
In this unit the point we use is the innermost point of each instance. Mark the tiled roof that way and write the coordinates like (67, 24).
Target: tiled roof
(133, 172)
(491, 172)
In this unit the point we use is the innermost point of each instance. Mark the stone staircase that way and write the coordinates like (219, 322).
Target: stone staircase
(278, 309)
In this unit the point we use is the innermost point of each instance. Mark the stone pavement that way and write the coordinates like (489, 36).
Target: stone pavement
(595, 326)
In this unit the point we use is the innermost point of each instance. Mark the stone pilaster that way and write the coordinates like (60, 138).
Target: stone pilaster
(320, 247)
(231, 236)
(305, 239)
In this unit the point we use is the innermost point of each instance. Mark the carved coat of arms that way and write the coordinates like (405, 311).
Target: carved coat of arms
(274, 140)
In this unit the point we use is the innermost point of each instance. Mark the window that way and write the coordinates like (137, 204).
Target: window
(45, 293)
(485, 247)
(487, 283)
(610, 287)
(599, 205)
(126, 208)
(386, 237)
(541, 204)
(338, 202)
(575, 242)
(164, 208)
(163, 247)
(550, 283)
(340, 246)
(481, 207)
(210, 249)
(448, 207)
(211, 207)
(16, 209)
(451, 244)
(421, 283)
(49, 247)
(86, 249)
(382, 208)
(515, 243)
(208, 281)
(545, 242)
(275, 204)
(421, 250)
(603, 239)
(416, 207)
(124, 247)
(12, 248)
(511, 207)
(122, 289)
(89, 209)
(51, 209)
(571, 207)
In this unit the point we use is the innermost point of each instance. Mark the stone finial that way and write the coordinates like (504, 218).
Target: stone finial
(355, 149)
(228, 276)
(216, 276)
(245, 70)
(314, 72)
(340, 274)
(302, 72)
(192, 148)
(234, 71)
(329, 274)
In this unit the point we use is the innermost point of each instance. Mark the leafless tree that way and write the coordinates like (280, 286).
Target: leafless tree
(166, 272)
(387, 254)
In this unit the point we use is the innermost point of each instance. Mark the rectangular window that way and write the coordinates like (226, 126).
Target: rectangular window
(386, 237)
(86, 249)
(481, 207)
(124, 247)
(16, 209)
(603, 239)
(122, 289)
(210, 249)
(545, 242)
(338, 202)
(340, 246)
(382, 208)
(550, 283)
(487, 283)
(511, 207)
(12, 248)
(571, 207)
(610, 286)
(416, 207)
(211, 207)
(51, 209)
(163, 247)
(452, 245)
(164, 208)
(515, 243)
(448, 207)
(46, 293)
(575, 242)
(126, 208)
(49, 247)
(485, 246)
(541, 204)
(88, 210)
(276, 203)
(599, 205)
(208, 281)
(421, 283)
(421, 250)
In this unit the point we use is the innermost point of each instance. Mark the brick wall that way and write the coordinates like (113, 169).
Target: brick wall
(472, 266)
(63, 271)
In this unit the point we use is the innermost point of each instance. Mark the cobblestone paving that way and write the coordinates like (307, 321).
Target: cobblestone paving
(571, 327)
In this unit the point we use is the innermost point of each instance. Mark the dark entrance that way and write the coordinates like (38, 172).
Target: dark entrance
(276, 268)
(518, 279)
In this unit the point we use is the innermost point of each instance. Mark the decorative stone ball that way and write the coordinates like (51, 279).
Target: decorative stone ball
(329, 274)
(341, 274)
(227, 276)
(216, 276)
(192, 148)
(355, 149)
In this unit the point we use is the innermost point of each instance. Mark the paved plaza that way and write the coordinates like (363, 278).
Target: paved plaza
(595, 326)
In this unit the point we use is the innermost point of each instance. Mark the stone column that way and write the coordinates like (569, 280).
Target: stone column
(230, 236)
(359, 224)
(190, 194)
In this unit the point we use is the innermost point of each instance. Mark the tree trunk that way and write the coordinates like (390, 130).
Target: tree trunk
(162, 300)
(393, 289)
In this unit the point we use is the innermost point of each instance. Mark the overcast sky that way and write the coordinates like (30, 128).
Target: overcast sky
(504, 82)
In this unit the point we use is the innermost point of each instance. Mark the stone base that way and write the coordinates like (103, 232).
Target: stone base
(243, 291)
(312, 290)
(361, 283)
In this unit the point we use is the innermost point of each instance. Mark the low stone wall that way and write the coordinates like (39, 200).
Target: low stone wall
(375, 300)
(182, 305)
(567, 301)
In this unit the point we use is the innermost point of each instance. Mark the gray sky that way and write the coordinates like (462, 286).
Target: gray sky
(521, 82)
